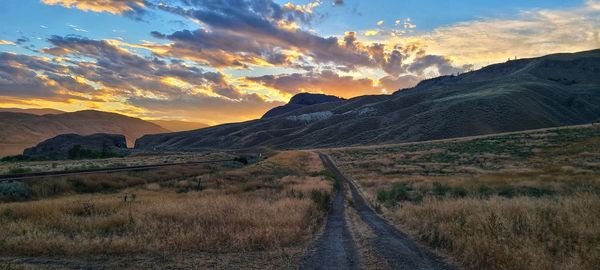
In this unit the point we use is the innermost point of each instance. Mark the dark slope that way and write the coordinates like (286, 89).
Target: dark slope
(555, 90)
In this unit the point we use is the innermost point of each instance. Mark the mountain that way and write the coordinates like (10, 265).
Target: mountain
(173, 125)
(32, 111)
(73, 146)
(549, 91)
(300, 101)
(21, 130)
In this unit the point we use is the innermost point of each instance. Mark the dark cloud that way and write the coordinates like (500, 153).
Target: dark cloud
(254, 29)
(248, 32)
(117, 68)
(96, 70)
(29, 76)
(442, 64)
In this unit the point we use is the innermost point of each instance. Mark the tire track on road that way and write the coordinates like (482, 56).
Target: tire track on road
(335, 248)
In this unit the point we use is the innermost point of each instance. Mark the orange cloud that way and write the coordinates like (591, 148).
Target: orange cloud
(110, 6)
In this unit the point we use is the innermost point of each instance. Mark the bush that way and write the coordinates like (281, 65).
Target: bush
(76, 152)
(20, 158)
(398, 193)
(321, 198)
(440, 189)
(14, 191)
(19, 170)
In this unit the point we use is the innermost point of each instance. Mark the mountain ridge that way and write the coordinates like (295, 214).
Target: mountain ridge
(548, 91)
(23, 130)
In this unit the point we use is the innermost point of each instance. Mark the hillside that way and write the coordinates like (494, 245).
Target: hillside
(32, 111)
(173, 125)
(21, 130)
(550, 91)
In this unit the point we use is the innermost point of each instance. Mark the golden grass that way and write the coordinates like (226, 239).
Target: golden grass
(517, 233)
(172, 217)
(516, 201)
(155, 222)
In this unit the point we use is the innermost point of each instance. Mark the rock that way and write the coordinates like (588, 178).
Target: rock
(300, 101)
(73, 146)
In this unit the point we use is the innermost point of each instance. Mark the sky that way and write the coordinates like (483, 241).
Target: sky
(221, 61)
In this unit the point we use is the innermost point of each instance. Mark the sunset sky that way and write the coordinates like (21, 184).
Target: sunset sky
(218, 61)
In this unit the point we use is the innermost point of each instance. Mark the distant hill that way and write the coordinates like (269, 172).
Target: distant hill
(549, 91)
(32, 111)
(175, 126)
(300, 101)
(22, 130)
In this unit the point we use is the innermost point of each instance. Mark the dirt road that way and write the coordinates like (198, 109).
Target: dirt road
(336, 249)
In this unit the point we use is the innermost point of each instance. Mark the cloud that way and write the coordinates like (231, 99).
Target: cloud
(207, 109)
(529, 34)
(252, 32)
(392, 84)
(104, 73)
(6, 42)
(118, 7)
(29, 76)
(319, 82)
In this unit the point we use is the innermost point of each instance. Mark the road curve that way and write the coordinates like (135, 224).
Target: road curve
(390, 245)
(335, 248)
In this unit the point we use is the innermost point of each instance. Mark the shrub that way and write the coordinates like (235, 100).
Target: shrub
(20, 158)
(398, 193)
(440, 189)
(321, 198)
(77, 152)
(19, 170)
(14, 191)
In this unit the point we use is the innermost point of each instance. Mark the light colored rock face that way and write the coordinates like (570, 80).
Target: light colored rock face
(367, 111)
(310, 117)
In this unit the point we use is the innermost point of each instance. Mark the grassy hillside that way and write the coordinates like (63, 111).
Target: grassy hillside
(517, 201)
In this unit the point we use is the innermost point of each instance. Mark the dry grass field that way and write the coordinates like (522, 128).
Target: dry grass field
(518, 201)
(266, 207)
(132, 160)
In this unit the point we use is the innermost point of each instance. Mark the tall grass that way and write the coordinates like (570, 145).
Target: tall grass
(162, 218)
(515, 233)
(519, 201)
(155, 223)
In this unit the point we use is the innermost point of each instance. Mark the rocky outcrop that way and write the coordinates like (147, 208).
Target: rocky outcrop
(300, 101)
(73, 146)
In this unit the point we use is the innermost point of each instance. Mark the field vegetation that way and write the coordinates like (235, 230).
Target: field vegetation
(22, 164)
(218, 208)
(518, 201)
